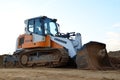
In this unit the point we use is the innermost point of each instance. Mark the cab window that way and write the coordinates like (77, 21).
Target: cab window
(38, 27)
(31, 25)
(53, 28)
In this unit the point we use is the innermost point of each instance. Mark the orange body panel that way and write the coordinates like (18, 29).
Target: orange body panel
(20, 39)
(28, 42)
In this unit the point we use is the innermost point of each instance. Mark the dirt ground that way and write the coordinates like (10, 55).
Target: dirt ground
(57, 74)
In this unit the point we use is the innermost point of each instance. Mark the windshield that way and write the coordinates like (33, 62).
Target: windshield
(51, 28)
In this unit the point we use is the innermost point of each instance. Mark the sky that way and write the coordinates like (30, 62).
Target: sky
(96, 20)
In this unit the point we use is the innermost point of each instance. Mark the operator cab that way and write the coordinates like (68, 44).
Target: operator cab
(41, 26)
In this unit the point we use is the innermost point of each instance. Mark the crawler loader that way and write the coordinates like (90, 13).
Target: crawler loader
(44, 45)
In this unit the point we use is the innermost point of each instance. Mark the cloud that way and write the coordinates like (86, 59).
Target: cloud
(116, 25)
(113, 41)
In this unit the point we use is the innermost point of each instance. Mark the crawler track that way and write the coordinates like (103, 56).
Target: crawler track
(44, 57)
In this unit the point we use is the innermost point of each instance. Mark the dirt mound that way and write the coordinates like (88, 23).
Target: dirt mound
(1, 61)
(115, 58)
(8, 64)
(114, 53)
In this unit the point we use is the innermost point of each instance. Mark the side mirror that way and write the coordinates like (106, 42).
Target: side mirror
(58, 25)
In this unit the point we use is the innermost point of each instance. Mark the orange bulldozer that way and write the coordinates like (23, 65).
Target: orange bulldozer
(43, 45)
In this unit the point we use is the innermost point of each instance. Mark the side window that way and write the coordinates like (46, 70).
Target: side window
(31, 26)
(38, 28)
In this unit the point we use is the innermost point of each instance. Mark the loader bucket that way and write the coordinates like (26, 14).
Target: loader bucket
(93, 55)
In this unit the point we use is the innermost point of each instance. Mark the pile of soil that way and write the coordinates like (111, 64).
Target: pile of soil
(8, 64)
(1, 61)
(115, 58)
